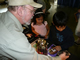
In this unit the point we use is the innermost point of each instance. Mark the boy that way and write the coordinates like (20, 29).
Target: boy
(60, 34)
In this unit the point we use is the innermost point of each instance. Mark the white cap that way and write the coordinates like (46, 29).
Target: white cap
(24, 2)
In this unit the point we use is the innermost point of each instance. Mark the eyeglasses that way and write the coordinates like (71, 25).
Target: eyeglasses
(32, 11)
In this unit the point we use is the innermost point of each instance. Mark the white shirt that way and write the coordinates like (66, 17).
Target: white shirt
(13, 43)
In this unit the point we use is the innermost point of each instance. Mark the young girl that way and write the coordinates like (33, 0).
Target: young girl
(39, 26)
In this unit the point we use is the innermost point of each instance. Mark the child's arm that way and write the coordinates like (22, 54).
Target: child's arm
(68, 43)
(33, 30)
(47, 27)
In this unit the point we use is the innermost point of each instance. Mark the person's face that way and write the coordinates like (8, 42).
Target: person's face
(60, 28)
(28, 14)
(39, 20)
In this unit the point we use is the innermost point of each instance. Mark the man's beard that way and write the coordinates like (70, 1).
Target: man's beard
(23, 19)
(28, 22)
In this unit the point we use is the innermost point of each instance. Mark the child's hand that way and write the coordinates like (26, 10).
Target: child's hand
(61, 52)
(58, 48)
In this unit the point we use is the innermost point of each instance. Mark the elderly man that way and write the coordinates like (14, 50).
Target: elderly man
(13, 43)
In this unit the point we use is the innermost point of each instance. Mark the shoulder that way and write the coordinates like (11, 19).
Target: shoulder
(32, 23)
(45, 22)
(52, 28)
(68, 30)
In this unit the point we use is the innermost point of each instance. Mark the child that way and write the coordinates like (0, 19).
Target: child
(39, 26)
(77, 15)
(60, 34)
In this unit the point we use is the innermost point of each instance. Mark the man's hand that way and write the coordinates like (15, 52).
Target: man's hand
(63, 56)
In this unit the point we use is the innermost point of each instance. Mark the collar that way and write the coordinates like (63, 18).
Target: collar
(16, 20)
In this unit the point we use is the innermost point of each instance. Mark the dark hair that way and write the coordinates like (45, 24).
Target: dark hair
(60, 19)
(35, 0)
(37, 16)
(38, 10)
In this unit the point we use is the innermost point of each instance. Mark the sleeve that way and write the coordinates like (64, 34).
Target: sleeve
(68, 43)
(50, 37)
(45, 22)
(32, 24)
(21, 49)
(77, 31)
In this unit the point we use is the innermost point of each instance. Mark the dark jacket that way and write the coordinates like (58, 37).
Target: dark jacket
(64, 38)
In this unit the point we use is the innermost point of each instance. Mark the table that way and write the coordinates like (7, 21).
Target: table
(72, 56)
